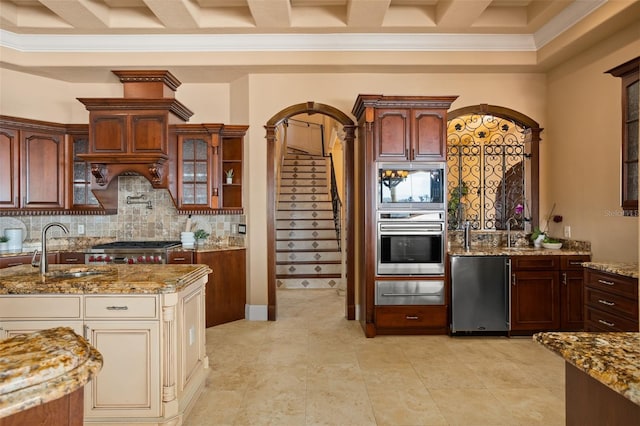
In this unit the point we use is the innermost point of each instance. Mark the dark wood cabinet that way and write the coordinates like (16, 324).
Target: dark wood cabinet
(71, 258)
(9, 168)
(67, 410)
(9, 261)
(32, 165)
(572, 292)
(180, 257)
(610, 302)
(393, 129)
(225, 292)
(231, 158)
(535, 294)
(410, 134)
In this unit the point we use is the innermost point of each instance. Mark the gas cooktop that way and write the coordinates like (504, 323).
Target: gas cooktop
(132, 245)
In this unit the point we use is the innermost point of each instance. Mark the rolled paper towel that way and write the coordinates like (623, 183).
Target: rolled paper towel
(187, 227)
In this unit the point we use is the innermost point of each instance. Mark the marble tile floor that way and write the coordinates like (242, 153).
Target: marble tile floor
(313, 367)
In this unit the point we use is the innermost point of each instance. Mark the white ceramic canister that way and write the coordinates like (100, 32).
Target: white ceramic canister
(15, 238)
(188, 239)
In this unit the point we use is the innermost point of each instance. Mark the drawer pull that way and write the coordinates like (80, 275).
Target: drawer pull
(605, 302)
(410, 294)
(178, 259)
(606, 282)
(15, 264)
(564, 278)
(575, 263)
(117, 308)
(609, 324)
(71, 259)
(412, 317)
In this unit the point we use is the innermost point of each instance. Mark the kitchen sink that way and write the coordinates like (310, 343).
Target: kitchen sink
(518, 248)
(72, 274)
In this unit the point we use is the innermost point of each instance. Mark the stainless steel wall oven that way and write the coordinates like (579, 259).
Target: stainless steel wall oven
(410, 243)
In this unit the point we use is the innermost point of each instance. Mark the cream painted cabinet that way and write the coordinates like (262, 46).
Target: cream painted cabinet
(125, 330)
(153, 345)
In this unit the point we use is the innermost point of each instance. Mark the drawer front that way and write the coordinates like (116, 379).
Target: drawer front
(573, 262)
(597, 320)
(40, 307)
(112, 307)
(74, 258)
(535, 262)
(180, 257)
(610, 302)
(409, 292)
(612, 283)
(410, 316)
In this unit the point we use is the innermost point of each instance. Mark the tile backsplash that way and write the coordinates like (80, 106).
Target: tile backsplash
(135, 221)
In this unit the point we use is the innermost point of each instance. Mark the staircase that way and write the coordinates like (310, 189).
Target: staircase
(307, 251)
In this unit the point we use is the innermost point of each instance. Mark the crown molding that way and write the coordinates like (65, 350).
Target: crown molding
(266, 42)
(564, 20)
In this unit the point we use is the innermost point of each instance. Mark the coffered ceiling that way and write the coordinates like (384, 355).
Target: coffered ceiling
(300, 35)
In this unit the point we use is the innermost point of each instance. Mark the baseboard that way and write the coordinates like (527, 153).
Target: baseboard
(255, 312)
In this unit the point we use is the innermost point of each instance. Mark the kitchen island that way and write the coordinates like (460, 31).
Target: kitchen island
(42, 375)
(602, 376)
(146, 320)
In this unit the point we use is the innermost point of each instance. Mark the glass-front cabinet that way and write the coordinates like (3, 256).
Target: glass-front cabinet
(196, 170)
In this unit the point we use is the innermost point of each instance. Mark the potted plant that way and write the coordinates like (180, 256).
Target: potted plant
(4, 244)
(201, 235)
(229, 174)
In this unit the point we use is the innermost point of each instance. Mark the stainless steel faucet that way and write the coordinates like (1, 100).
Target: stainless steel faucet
(467, 235)
(44, 264)
(509, 230)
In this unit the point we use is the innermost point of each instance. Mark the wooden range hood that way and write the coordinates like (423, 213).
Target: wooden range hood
(130, 135)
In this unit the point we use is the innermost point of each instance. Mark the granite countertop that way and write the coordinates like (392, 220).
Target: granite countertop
(213, 247)
(40, 367)
(613, 359)
(514, 251)
(629, 269)
(110, 279)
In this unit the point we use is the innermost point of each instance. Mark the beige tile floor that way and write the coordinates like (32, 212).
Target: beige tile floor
(313, 367)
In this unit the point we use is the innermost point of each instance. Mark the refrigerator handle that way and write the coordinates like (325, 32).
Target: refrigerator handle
(508, 292)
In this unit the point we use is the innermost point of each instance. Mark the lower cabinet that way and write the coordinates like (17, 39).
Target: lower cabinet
(66, 411)
(547, 293)
(610, 302)
(21, 259)
(226, 291)
(153, 346)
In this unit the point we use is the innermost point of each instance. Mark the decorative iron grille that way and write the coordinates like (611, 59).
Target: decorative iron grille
(487, 170)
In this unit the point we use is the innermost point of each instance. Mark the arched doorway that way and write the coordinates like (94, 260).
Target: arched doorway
(349, 136)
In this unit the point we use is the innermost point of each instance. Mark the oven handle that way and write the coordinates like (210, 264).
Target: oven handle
(394, 229)
(437, 293)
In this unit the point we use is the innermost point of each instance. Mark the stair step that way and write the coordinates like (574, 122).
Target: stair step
(302, 224)
(308, 270)
(300, 257)
(317, 234)
(305, 202)
(328, 282)
(304, 214)
(304, 189)
(307, 245)
(303, 168)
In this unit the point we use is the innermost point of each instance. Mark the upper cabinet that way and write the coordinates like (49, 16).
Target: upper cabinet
(202, 158)
(406, 128)
(32, 165)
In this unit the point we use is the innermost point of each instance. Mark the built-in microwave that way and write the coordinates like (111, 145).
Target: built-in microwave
(410, 243)
(411, 186)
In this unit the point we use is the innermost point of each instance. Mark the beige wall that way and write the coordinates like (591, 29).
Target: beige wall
(581, 172)
(573, 140)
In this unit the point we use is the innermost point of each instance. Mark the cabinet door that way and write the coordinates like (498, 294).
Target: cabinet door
(9, 261)
(535, 299)
(572, 300)
(428, 134)
(42, 164)
(195, 171)
(226, 290)
(148, 133)
(108, 133)
(392, 130)
(79, 186)
(9, 168)
(129, 383)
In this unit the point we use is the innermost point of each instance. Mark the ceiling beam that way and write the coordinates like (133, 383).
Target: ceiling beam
(271, 13)
(174, 14)
(366, 13)
(80, 13)
(459, 13)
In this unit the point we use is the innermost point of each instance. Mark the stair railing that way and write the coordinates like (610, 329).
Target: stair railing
(335, 202)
